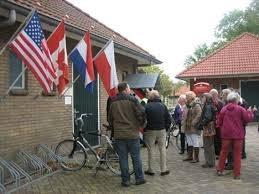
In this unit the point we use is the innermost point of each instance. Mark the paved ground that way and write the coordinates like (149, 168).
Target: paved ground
(184, 178)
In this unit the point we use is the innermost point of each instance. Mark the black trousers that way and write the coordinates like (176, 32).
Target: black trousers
(217, 142)
(182, 137)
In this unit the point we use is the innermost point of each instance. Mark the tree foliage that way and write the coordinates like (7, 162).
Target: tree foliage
(230, 26)
(166, 83)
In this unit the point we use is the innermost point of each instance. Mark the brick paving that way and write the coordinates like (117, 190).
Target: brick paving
(184, 177)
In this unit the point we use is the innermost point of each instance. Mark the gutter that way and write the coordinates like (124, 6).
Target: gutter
(54, 22)
(11, 19)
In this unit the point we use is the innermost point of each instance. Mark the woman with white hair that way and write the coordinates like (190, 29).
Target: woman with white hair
(189, 126)
(178, 117)
(231, 121)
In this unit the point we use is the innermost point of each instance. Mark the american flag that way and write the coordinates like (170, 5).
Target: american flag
(31, 47)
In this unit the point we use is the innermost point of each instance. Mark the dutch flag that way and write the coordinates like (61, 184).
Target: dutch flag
(81, 57)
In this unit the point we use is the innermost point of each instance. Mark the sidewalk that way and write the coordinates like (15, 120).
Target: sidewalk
(184, 177)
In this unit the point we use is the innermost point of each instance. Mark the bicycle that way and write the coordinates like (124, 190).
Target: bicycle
(175, 132)
(73, 154)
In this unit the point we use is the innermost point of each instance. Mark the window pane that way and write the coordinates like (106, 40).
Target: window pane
(16, 68)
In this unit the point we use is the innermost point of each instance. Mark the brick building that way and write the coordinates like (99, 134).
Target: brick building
(27, 117)
(235, 65)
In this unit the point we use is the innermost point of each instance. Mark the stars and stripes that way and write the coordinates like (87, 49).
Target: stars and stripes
(31, 47)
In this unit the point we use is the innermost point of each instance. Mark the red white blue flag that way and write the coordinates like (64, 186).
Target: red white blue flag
(81, 56)
(31, 47)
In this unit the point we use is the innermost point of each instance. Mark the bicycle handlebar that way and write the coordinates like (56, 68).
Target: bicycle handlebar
(81, 118)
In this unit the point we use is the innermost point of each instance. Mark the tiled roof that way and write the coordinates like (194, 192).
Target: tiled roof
(238, 57)
(57, 9)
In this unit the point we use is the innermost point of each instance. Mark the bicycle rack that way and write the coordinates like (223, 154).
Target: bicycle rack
(27, 162)
(22, 170)
(47, 153)
(37, 163)
(13, 172)
(2, 188)
(1, 175)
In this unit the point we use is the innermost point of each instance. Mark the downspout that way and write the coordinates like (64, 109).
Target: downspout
(11, 19)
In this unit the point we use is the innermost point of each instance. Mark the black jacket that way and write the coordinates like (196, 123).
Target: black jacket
(157, 114)
(208, 114)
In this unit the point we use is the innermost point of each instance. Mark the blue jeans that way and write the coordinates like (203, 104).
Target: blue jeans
(132, 146)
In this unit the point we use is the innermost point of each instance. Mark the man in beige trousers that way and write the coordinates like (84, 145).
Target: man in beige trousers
(158, 120)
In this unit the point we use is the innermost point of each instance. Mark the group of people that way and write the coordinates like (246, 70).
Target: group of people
(220, 121)
(127, 117)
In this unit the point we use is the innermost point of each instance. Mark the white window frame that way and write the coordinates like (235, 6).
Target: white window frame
(22, 77)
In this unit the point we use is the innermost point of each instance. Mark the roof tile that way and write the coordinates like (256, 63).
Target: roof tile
(238, 57)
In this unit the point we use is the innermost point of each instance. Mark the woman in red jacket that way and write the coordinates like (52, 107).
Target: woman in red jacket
(231, 120)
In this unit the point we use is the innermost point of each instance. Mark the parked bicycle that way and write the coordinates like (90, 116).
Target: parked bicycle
(174, 132)
(73, 154)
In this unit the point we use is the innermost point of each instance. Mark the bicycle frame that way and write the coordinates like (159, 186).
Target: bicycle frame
(109, 142)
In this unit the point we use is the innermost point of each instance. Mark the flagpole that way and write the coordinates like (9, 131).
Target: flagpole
(74, 81)
(18, 29)
(14, 82)
(102, 49)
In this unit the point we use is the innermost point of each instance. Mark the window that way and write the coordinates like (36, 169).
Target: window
(16, 67)
(223, 86)
(124, 74)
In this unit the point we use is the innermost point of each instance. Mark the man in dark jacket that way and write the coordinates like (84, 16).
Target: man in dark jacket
(158, 120)
(127, 116)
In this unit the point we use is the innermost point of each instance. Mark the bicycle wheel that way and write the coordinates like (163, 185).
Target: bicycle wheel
(71, 155)
(112, 161)
(167, 139)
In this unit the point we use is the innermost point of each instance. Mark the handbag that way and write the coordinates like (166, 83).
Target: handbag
(199, 125)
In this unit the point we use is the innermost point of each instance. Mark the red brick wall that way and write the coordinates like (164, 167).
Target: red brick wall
(26, 121)
(32, 119)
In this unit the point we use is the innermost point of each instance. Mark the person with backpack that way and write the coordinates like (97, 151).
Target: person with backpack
(189, 126)
(208, 126)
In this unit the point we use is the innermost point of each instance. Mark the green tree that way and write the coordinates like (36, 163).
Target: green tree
(230, 26)
(200, 52)
(178, 85)
(166, 83)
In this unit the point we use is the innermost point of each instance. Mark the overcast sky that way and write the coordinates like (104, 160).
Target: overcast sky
(168, 29)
